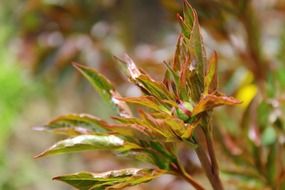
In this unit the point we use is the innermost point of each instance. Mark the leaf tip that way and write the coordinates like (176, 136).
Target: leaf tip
(40, 155)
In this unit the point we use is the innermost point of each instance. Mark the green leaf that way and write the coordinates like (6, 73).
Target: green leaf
(104, 87)
(89, 142)
(171, 79)
(157, 89)
(75, 124)
(116, 179)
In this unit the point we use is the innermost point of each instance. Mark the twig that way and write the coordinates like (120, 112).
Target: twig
(181, 171)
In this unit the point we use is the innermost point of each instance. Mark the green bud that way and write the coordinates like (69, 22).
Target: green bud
(184, 111)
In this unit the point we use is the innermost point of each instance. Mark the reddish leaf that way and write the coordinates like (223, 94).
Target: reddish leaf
(211, 101)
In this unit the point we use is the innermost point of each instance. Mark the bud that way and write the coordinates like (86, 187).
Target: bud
(184, 111)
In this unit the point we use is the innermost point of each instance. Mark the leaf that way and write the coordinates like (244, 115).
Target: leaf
(132, 131)
(105, 89)
(176, 125)
(178, 51)
(146, 101)
(191, 31)
(189, 129)
(211, 101)
(182, 87)
(191, 56)
(145, 82)
(210, 81)
(89, 142)
(128, 65)
(116, 179)
(157, 89)
(171, 77)
(167, 128)
(74, 124)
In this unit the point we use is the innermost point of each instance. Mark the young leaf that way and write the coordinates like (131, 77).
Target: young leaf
(211, 101)
(145, 82)
(182, 87)
(89, 142)
(177, 55)
(154, 88)
(165, 129)
(147, 101)
(116, 179)
(171, 79)
(191, 31)
(104, 87)
(74, 124)
(210, 82)
(129, 67)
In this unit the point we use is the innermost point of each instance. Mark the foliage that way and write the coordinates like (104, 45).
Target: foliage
(173, 111)
(177, 111)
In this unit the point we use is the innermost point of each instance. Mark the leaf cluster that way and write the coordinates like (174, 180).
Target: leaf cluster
(168, 114)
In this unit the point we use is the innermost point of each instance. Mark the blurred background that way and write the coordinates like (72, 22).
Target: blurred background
(39, 39)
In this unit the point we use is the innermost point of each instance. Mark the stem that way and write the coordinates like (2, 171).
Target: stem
(211, 151)
(210, 165)
(189, 178)
(196, 185)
